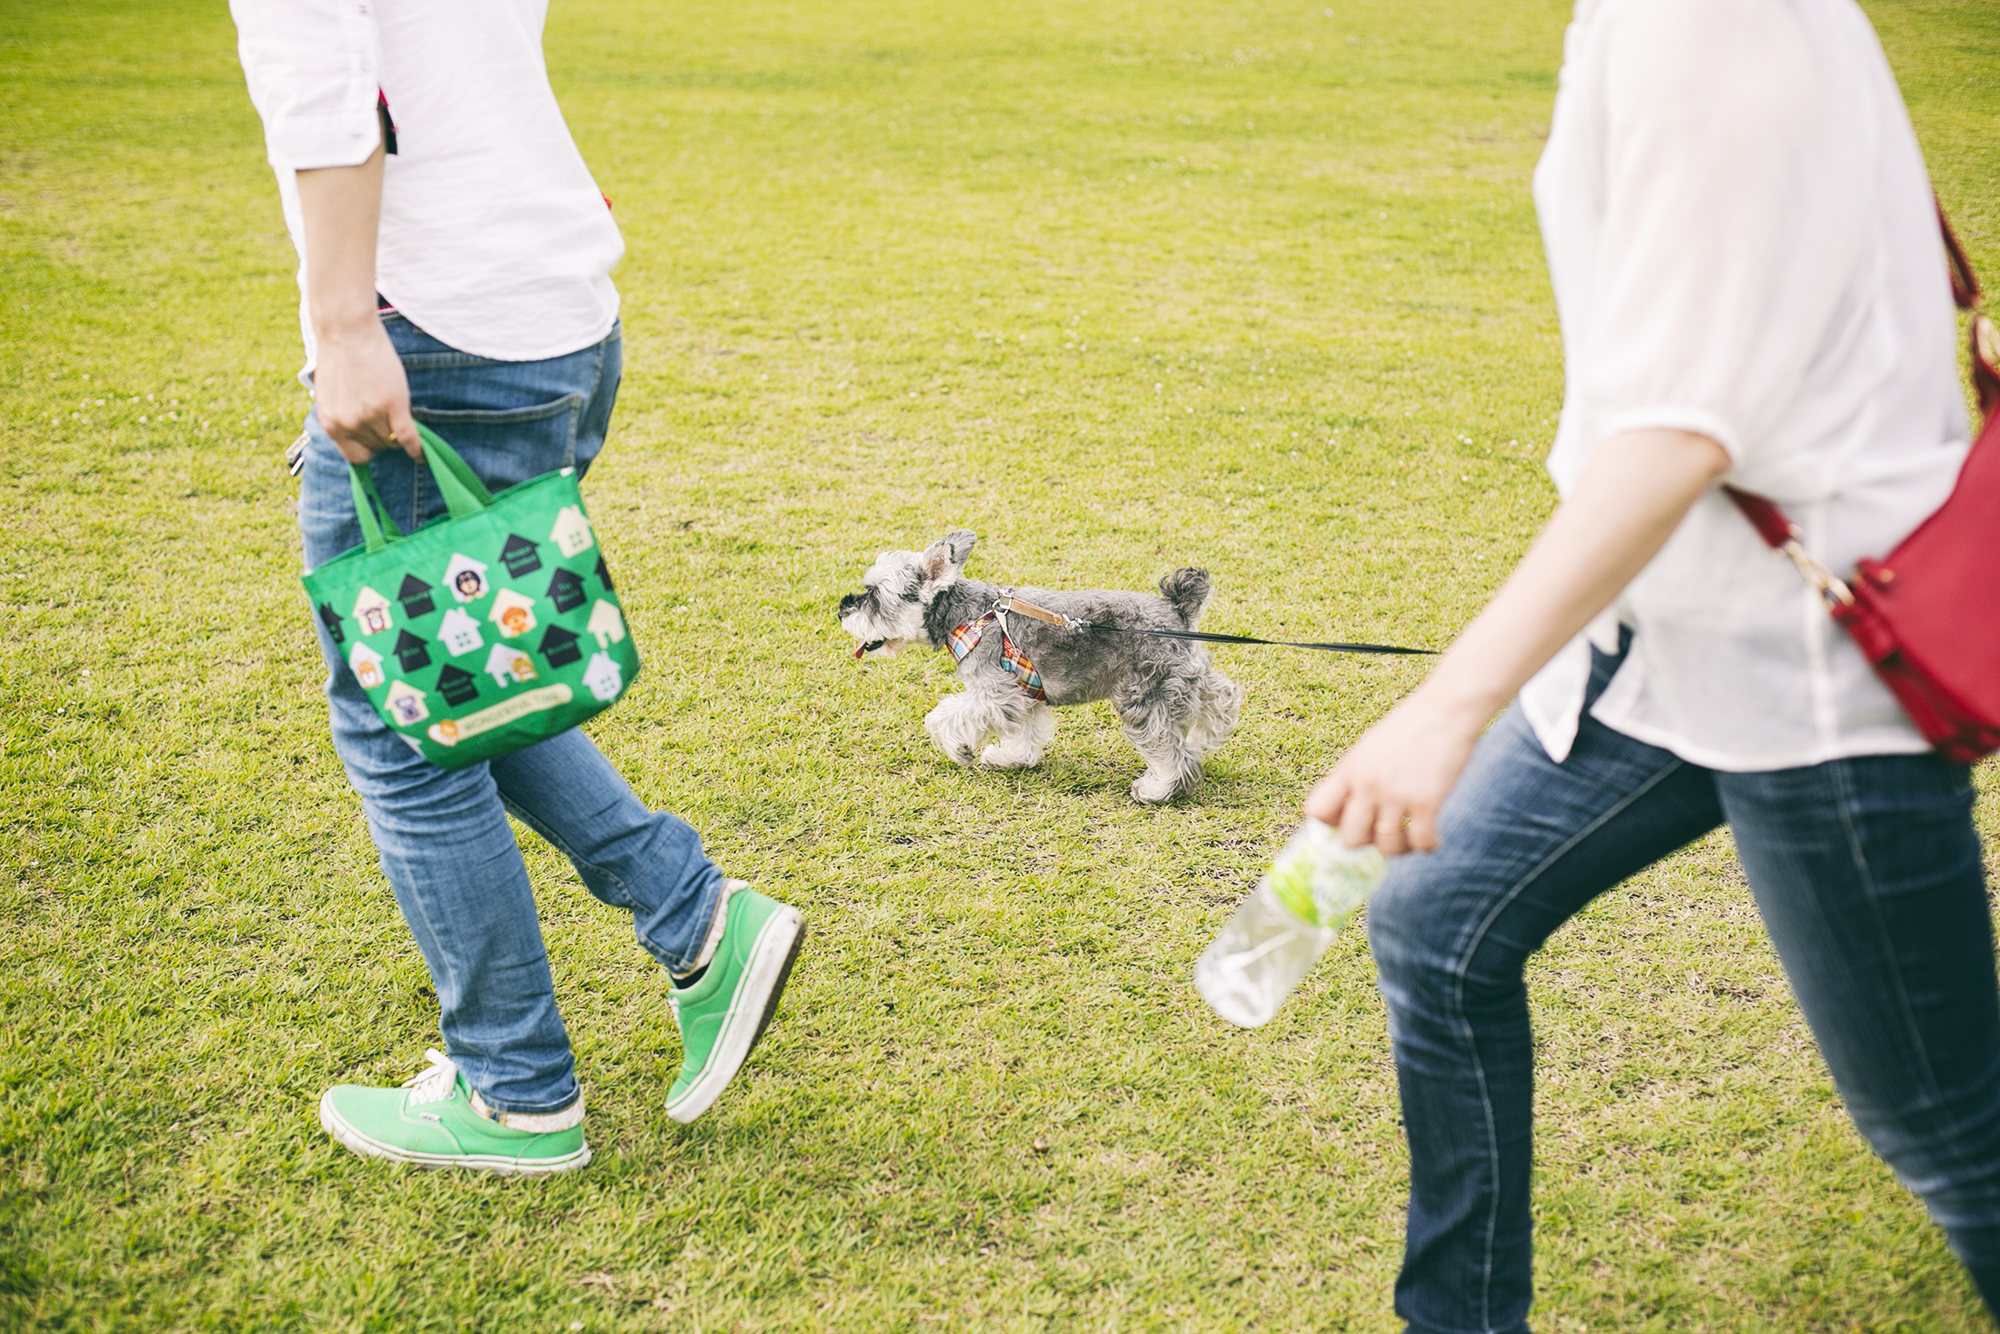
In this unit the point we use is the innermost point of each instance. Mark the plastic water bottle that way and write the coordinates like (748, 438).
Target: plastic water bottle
(1278, 934)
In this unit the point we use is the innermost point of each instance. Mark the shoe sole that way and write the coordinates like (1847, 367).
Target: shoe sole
(770, 967)
(334, 1125)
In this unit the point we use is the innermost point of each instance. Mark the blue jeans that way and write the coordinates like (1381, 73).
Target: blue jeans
(1867, 873)
(443, 836)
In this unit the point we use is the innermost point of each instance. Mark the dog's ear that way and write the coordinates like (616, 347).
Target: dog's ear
(944, 558)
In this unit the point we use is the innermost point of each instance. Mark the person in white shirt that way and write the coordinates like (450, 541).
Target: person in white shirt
(1753, 289)
(455, 260)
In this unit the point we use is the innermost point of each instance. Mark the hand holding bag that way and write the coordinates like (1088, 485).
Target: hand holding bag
(483, 631)
(1927, 615)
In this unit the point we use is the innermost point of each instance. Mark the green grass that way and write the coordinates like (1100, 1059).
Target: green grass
(1119, 286)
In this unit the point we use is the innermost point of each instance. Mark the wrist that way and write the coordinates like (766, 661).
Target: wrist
(346, 324)
(1460, 705)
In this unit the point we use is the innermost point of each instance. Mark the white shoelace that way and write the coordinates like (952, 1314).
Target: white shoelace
(434, 1084)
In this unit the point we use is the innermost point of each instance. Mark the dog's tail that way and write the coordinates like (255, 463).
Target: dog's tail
(1189, 591)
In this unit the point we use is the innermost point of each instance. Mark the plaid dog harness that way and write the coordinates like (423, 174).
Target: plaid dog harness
(965, 638)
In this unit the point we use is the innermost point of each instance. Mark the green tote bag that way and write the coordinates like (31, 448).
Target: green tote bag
(485, 630)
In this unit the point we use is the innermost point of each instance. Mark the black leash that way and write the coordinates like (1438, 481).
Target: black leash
(1009, 602)
(1246, 639)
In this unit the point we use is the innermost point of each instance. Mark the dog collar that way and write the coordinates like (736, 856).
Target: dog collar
(965, 638)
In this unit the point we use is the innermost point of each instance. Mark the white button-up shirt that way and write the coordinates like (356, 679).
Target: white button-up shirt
(1742, 242)
(494, 237)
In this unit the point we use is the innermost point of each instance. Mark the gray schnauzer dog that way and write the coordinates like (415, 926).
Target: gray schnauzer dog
(1175, 706)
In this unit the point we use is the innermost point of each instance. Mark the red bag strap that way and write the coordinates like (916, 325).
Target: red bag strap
(1964, 283)
(1984, 339)
(1783, 535)
(1769, 521)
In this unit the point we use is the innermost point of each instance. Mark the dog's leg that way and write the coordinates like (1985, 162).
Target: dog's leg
(1023, 739)
(1158, 731)
(1217, 703)
(960, 725)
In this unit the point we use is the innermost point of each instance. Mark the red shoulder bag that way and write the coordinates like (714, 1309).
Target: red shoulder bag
(1927, 615)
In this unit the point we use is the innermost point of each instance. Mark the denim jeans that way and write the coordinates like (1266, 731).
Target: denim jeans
(1867, 874)
(443, 836)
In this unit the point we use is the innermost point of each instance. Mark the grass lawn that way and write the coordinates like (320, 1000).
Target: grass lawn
(1255, 286)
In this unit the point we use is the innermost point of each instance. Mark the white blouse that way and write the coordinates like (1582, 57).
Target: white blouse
(494, 237)
(1742, 242)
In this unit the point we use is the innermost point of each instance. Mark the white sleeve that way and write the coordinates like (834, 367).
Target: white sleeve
(1710, 291)
(313, 67)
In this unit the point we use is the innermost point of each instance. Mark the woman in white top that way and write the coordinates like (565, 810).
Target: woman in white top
(1753, 290)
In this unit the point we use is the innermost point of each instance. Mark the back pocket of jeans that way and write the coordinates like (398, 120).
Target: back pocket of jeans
(510, 445)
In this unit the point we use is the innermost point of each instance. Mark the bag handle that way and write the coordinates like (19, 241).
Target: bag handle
(464, 494)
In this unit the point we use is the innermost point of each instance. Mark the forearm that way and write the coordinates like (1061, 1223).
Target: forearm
(1625, 507)
(342, 209)
(1388, 788)
(361, 395)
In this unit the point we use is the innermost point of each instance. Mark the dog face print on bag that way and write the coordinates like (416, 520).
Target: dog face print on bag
(366, 664)
(406, 704)
(466, 578)
(371, 611)
(509, 666)
(602, 678)
(513, 612)
(572, 531)
(459, 633)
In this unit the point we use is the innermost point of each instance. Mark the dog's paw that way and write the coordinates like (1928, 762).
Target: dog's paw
(1151, 791)
(1000, 757)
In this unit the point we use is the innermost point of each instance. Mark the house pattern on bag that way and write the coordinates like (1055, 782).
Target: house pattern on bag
(519, 556)
(565, 589)
(457, 685)
(603, 678)
(606, 623)
(559, 647)
(411, 652)
(459, 633)
(572, 531)
(415, 595)
(508, 665)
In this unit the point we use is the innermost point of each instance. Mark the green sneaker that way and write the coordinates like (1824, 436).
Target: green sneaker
(431, 1122)
(722, 1015)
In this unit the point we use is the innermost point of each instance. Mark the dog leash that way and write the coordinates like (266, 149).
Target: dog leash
(1011, 602)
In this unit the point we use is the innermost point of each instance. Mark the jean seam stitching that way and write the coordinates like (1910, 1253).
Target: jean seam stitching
(562, 846)
(576, 415)
(1842, 798)
(1462, 964)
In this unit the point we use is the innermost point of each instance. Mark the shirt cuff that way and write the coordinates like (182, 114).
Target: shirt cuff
(1667, 417)
(341, 139)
